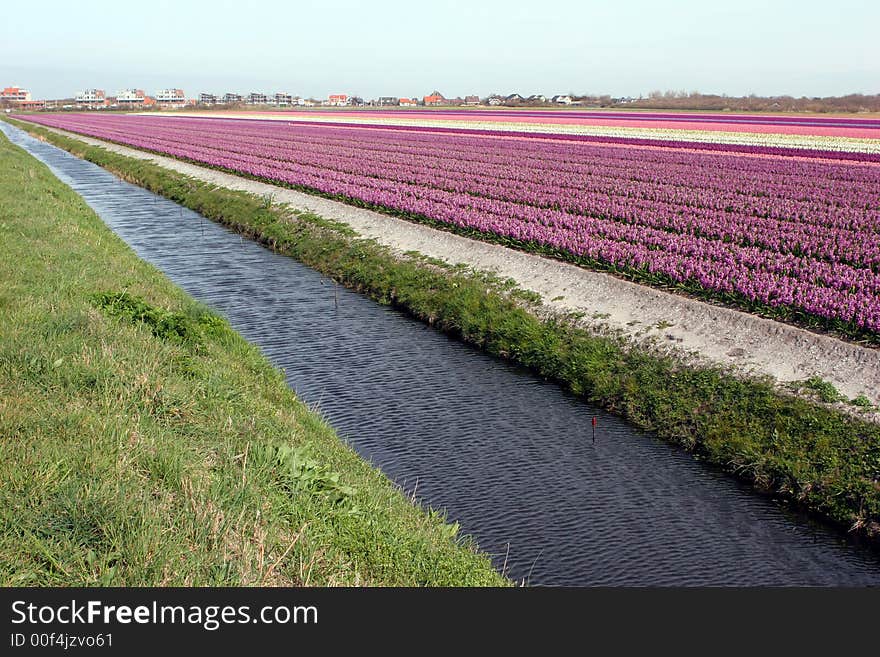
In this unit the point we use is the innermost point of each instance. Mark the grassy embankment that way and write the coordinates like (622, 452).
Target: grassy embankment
(819, 458)
(144, 442)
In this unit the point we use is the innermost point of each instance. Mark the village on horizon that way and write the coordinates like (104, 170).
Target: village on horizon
(174, 98)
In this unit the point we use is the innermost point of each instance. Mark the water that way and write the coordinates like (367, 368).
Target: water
(508, 455)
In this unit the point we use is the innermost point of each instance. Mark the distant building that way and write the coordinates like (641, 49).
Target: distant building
(471, 100)
(513, 99)
(171, 98)
(494, 101)
(229, 99)
(435, 98)
(131, 98)
(562, 100)
(31, 104)
(254, 98)
(91, 98)
(407, 102)
(537, 98)
(208, 99)
(282, 99)
(388, 100)
(338, 100)
(15, 95)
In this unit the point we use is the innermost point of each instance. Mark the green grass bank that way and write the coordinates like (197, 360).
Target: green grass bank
(818, 458)
(144, 442)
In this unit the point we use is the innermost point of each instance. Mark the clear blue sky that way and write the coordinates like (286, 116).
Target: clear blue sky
(407, 47)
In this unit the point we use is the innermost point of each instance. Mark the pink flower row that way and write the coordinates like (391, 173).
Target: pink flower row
(824, 263)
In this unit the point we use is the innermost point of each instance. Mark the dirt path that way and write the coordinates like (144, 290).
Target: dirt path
(659, 319)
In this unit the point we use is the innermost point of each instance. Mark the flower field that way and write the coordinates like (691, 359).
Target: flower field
(789, 226)
(844, 138)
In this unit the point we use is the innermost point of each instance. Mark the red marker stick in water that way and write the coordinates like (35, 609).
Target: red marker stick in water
(594, 429)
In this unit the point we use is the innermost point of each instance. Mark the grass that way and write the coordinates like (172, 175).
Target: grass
(817, 457)
(144, 442)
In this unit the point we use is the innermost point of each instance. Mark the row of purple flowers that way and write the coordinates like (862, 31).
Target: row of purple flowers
(810, 241)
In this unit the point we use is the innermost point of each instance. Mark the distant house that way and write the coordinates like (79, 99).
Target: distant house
(435, 98)
(15, 95)
(208, 99)
(131, 98)
(407, 102)
(31, 104)
(20, 98)
(91, 98)
(561, 100)
(494, 101)
(338, 100)
(172, 98)
(229, 99)
(255, 98)
(513, 98)
(471, 100)
(537, 98)
(388, 100)
(281, 99)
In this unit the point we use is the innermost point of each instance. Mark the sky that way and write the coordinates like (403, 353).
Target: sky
(410, 48)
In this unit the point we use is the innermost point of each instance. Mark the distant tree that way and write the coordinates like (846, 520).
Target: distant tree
(695, 100)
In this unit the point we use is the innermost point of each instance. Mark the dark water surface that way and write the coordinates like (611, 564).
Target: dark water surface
(508, 455)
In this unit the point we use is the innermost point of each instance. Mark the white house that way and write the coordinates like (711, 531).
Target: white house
(171, 98)
(131, 97)
(90, 98)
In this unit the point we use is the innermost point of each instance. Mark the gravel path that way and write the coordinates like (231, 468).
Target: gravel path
(659, 319)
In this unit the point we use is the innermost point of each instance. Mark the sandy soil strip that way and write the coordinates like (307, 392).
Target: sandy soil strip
(668, 322)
